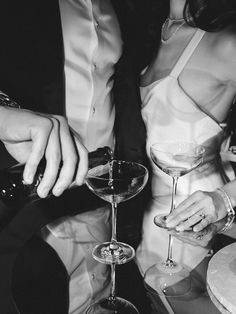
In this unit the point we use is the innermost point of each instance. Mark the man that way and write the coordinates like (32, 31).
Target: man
(58, 60)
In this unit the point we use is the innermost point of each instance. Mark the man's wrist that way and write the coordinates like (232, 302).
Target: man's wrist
(6, 104)
(6, 101)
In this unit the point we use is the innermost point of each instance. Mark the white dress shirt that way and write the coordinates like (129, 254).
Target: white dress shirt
(92, 46)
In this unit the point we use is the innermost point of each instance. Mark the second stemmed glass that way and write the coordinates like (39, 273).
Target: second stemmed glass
(175, 159)
(116, 182)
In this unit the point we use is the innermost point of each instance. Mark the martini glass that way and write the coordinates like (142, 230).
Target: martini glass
(116, 182)
(175, 159)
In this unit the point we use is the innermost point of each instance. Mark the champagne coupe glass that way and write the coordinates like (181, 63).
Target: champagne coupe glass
(115, 182)
(175, 159)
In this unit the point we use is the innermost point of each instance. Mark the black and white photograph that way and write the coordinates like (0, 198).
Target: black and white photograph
(118, 157)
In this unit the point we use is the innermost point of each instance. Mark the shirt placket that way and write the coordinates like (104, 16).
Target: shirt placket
(95, 66)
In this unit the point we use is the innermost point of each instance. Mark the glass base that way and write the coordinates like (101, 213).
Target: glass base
(113, 253)
(169, 280)
(160, 221)
(112, 305)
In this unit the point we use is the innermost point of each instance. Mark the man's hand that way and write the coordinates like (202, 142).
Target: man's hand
(28, 136)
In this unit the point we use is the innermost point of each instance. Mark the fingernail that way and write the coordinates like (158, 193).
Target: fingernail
(28, 178)
(170, 221)
(58, 191)
(169, 225)
(179, 228)
(79, 182)
(43, 192)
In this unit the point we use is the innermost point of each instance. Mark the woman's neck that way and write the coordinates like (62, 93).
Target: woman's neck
(176, 9)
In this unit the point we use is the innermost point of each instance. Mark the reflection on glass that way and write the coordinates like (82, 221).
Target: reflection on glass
(116, 182)
(175, 159)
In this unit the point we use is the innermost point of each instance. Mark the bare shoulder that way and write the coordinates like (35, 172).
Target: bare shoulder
(227, 40)
(224, 45)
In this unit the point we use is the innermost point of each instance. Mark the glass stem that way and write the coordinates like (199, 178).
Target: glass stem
(114, 218)
(113, 241)
(174, 189)
(113, 281)
(169, 261)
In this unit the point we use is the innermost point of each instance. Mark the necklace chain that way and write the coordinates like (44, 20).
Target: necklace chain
(165, 27)
(172, 19)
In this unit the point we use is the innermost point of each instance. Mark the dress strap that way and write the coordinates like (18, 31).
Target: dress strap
(187, 53)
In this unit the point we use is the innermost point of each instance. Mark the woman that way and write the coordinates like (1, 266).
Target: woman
(222, 22)
(187, 92)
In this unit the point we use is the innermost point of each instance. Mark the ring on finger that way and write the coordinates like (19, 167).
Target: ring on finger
(202, 216)
(199, 237)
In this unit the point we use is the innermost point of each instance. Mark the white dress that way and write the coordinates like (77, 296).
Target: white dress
(171, 115)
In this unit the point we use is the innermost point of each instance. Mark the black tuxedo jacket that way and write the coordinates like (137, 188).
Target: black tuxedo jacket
(32, 66)
(32, 73)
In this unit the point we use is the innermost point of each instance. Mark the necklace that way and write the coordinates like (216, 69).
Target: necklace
(167, 24)
(172, 19)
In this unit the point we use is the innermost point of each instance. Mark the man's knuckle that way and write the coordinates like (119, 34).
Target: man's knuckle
(46, 123)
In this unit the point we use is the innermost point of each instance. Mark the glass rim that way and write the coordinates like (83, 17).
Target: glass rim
(200, 152)
(119, 179)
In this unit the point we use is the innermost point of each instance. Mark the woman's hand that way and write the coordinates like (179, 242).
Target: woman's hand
(28, 136)
(202, 238)
(198, 211)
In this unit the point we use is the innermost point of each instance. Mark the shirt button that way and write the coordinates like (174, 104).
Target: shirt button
(93, 276)
(94, 66)
(93, 110)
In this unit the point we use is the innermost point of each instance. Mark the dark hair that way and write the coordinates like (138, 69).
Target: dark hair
(210, 15)
(142, 21)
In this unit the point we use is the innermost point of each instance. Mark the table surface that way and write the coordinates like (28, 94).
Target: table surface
(221, 279)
